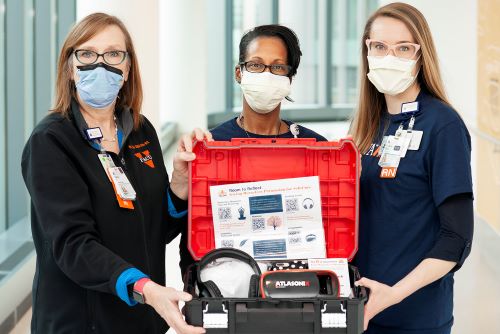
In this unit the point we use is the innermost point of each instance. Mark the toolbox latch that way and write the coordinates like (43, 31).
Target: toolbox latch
(332, 319)
(215, 319)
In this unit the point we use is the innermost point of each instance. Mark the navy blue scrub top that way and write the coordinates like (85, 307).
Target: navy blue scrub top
(230, 129)
(399, 222)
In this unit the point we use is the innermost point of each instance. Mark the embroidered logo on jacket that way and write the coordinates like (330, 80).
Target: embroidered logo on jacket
(374, 150)
(146, 158)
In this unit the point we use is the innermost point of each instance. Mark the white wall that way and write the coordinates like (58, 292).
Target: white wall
(453, 24)
(142, 20)
(183, 67)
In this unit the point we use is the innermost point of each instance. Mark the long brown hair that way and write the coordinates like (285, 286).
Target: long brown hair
(371, 105)
(130, 94)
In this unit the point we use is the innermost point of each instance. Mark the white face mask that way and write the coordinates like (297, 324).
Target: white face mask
(391, 75)
(264, 91)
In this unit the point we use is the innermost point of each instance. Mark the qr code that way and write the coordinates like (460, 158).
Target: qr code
(227, 243)
(294, 240)
(258, 224)
(292, 205)
(225, 213)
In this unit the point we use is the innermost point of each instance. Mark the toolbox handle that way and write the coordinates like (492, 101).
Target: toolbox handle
(304, 314)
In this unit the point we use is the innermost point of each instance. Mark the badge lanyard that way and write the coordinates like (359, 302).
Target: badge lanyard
(394, 148)
(122, 187)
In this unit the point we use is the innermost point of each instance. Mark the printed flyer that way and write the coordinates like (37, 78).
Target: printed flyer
(278, 219)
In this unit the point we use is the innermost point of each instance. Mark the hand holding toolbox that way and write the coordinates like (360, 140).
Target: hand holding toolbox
(247, 160)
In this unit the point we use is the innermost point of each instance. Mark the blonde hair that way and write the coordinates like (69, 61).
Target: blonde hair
(130, 94)
(371, 105)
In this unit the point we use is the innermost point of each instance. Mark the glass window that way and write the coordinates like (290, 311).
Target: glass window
(349, 18)
(329, 32)
(303, 18)
(3, 188)
(15, 50)
(28, 45)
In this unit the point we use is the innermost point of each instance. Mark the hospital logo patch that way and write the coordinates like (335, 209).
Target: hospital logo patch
(146, 158)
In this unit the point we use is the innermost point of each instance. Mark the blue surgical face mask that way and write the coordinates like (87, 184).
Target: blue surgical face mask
(99, 84)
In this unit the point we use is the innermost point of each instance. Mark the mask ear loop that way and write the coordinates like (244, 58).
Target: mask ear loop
(416, 62)
(288, 98)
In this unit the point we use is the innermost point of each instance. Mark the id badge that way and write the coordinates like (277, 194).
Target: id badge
(396, 145)
(416, 138)
(122, 185)
(106, 161)
(389, 160)
(382, 144)
(406, 139)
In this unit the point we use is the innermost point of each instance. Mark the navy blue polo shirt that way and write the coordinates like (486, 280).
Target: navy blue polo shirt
(230, 129)
(399, 222)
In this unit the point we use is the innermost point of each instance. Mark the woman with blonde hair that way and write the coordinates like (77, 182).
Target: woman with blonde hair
(102, 204)
(416, 212)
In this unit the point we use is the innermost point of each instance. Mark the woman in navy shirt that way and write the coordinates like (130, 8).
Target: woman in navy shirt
(416, 215)
(269, 58)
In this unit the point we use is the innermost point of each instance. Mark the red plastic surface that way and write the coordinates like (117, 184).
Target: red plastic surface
(249, 160)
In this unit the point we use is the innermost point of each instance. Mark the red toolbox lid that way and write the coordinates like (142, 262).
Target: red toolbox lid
(248, 160)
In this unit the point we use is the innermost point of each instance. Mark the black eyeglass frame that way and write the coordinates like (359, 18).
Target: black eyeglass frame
(288, 67)
(123, 53)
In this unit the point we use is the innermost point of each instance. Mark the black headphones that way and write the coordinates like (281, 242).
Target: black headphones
(209, 289)
(307, 203)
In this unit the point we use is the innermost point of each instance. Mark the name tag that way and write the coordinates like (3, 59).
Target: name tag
(94, 133)
(409, 107)
(416, 138)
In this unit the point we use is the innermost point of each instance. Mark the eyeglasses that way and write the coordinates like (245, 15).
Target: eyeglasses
(401, 50)
(88, 57)
(278, 69)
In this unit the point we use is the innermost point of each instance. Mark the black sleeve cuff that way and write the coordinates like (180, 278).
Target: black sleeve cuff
(450, 248)
(456, 215)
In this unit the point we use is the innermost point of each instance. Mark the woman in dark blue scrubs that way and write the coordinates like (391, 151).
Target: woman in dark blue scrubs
(416, 213)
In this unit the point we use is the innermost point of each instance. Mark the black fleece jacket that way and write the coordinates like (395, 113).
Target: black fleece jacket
(83, 239)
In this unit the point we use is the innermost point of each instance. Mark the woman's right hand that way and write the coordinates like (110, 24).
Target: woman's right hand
(165, 301)
(184, 154)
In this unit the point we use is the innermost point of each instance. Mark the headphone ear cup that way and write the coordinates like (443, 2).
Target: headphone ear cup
(253, 289)
(212, 289)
